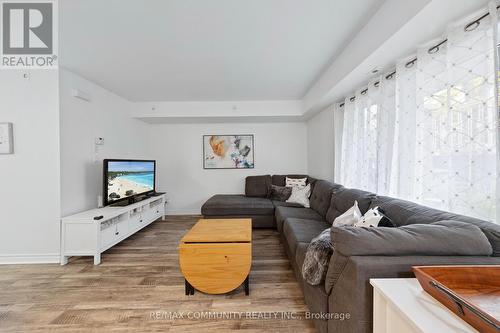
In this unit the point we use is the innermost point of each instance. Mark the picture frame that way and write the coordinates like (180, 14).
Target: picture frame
(228, 151)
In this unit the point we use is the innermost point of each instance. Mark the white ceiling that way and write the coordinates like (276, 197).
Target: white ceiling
(199, 50)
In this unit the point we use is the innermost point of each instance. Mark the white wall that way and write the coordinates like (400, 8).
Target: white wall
(29, 178)
(320, 145)
(280, 148)
(106, 115)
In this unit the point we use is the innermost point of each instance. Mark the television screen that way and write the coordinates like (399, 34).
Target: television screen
(128, 178)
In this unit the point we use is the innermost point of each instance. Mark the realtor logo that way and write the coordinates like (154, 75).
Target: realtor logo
(27, 28)
(28, 34)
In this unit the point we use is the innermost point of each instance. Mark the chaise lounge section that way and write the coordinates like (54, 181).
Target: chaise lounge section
(260, 210)
(346, 289)
(254, 204)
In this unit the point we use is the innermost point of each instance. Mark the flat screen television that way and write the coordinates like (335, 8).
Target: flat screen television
(124, 180)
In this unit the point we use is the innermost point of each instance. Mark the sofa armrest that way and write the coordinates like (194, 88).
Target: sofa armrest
(351, 292)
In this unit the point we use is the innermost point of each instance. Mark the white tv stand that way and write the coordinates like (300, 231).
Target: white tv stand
(81, 235)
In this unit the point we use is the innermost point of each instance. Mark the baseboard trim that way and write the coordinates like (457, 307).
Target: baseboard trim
(14, 259)
(175, 214)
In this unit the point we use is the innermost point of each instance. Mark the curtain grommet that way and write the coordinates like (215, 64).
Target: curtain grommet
(433, 49)
(472, 26)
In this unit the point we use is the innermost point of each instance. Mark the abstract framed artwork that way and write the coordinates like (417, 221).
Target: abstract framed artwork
(228, 151)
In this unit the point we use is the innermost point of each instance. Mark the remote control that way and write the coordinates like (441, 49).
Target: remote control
(99, 217)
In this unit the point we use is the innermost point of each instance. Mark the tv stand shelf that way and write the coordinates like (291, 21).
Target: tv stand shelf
(81, 235)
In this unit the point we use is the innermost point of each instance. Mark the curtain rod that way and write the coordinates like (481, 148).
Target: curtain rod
(434, 49)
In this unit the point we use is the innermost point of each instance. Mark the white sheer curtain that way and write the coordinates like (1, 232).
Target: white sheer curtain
(386, 117)
(357, 150)
(338, 123)
(368, 125)
(430, 134)
(457, 122)
(404, 143)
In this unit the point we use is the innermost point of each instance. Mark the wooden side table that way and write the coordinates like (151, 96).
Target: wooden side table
(215, 256)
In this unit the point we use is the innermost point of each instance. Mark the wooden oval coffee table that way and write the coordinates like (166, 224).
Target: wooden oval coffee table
(215, 256)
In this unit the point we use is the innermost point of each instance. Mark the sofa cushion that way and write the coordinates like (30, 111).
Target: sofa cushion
(258, 221)
(343, 199)
(297, 231)
(258, 186)
(444, 238)
(491, 231)
(321, 196)
(278, 203)
(403, 212)
(282, 213)
(236, 204)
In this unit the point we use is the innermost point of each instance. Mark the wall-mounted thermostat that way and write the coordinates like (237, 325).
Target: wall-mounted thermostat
(6, 138)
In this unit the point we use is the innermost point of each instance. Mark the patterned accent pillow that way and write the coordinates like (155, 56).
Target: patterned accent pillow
(375, 217)
(293, 182)
(300, 195)
(280, 193)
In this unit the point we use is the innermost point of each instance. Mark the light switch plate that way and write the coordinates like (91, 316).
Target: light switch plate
(6, 139)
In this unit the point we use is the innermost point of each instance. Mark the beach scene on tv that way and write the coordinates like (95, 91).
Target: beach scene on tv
(129, 178)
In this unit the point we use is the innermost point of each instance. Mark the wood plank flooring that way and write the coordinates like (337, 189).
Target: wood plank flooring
(139, 288)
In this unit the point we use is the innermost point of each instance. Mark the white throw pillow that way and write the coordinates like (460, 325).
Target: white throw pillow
(349, 218)
(300, 195)
(292, 182)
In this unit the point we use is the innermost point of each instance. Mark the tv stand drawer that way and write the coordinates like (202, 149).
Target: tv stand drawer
(136, 222)
(113, 233)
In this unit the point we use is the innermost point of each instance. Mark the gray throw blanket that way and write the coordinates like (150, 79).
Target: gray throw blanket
(317, 258)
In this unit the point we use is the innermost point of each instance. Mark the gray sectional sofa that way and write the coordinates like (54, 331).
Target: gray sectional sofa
(346, 289)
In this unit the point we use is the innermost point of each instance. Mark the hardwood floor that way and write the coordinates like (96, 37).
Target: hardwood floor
(139, 288)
